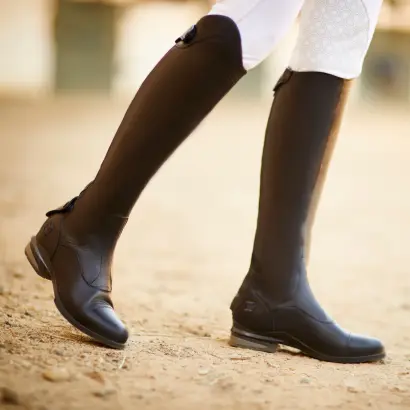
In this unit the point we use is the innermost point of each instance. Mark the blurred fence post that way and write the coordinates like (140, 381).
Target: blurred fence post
(26, 45)
(145, 33)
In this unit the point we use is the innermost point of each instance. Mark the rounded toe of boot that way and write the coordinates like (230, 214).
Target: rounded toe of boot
(365, 349)
(106, 326)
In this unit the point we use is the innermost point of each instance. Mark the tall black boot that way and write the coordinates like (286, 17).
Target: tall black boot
(75, 246)
(275, 304)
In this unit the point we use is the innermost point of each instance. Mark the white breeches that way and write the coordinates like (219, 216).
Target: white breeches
(334, 35)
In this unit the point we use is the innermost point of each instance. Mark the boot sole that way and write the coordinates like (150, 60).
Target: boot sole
(248, 340)
(43, 269)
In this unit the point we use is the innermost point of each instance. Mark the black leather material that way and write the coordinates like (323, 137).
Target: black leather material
(76, 244)
(80, 269)
(173, 100)
(275, 301)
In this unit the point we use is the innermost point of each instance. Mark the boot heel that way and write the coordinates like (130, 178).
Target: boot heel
(253, 344)
(41, 271)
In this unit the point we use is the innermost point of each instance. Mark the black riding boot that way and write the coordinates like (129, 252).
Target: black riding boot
(75, 246)
(275, 304)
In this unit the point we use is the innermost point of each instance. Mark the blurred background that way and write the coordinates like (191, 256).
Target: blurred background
(68, 70)
(50, 47)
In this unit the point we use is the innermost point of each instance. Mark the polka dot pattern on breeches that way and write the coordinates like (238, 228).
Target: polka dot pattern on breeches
(334, 36)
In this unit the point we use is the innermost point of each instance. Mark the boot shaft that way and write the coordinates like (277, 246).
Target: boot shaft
(303, 124)
(184, 87)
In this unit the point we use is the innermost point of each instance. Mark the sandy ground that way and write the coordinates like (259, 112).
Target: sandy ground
(182, 258)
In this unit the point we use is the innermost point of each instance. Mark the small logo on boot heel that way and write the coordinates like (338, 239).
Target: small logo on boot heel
(249, 306)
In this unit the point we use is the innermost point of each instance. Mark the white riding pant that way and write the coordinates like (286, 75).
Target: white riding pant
(334, 35)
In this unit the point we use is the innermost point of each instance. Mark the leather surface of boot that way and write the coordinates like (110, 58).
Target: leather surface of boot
(75, 246)
(275, 304)
(80, 270)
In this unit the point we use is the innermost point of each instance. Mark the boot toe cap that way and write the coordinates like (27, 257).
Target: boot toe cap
(106, 323)
(364, 346)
